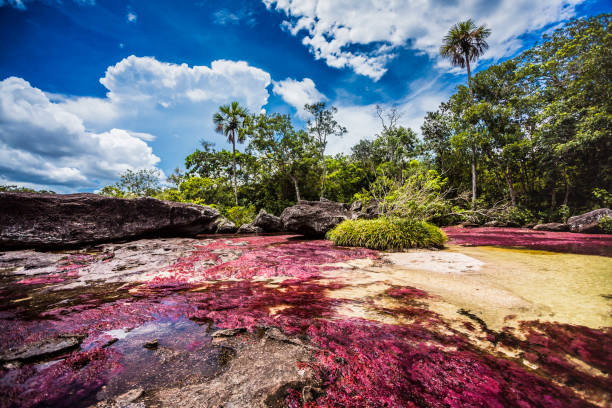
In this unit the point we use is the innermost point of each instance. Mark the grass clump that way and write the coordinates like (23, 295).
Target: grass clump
(387, 233)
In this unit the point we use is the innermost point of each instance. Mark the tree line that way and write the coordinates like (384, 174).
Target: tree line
(527, 140)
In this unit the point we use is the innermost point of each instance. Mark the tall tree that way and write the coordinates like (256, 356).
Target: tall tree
(321, 127)
(464, 43)
(274, 137)
(230, 121)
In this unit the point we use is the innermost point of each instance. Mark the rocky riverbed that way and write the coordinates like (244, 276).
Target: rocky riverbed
(278, 321)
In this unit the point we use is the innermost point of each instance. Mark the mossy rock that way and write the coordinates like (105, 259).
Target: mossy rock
(387, 233)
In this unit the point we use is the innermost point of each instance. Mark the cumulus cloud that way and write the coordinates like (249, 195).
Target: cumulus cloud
(53, 139)
(365, 35)
(131, 17)
(154, 84)
(298, 93)
(45, 144)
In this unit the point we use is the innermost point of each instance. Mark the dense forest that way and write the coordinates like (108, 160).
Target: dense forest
(531, 137)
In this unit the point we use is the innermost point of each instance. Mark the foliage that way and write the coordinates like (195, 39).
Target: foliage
(387, 233)
(11, 188)
(240, 215)
(419, 196)
(539, 124)
(605, 224)
(321, 127)
(139, 183)
(231, 121)
(112, 191)
(533, 131)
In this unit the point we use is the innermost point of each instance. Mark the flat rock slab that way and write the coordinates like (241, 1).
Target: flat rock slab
(41, 349)
(441, 262)
(30, 220)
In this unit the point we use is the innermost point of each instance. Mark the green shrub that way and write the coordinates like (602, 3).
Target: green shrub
(605, 223)
(240, 215)
(387, 233)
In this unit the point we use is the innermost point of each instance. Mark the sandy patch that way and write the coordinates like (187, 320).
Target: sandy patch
(435, 261)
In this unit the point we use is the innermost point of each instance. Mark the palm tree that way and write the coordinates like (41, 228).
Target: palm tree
(463, 44)
(230, 122)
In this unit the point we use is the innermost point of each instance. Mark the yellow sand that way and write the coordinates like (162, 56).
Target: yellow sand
(496, 285)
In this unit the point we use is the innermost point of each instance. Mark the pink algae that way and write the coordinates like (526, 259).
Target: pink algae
(589, 244)
(263, 257)
(359, 363)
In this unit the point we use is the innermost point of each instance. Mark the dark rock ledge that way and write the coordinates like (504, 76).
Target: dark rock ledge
(47, 221)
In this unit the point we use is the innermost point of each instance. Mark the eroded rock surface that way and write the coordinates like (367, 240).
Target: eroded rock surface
(314, 218)
(552, 226)
(588, 222)
(268, 222)
(259, 376)
(30, 220)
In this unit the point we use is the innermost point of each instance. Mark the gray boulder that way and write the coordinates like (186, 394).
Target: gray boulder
(368, 211)
(224, 226)
(552, 226)
(588, 222)
(314, 218)
(30, 220)
(249, 229)
(268, 222)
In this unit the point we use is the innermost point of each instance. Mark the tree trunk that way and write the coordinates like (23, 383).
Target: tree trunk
(469, 73)
(297, 188)
(510, 187)
(473, 176)
(324, 176)
(567, 190)
(234, 167)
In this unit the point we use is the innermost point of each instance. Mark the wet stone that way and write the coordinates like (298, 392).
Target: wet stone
(41, 349)
(151, 344)
(227, 332)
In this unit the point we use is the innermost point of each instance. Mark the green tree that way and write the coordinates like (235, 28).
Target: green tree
(279, 144)
(230, 121)
(140, 183)
(465, 43)
(321, 127)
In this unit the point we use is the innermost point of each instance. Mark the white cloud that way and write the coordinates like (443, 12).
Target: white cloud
(364, 35)
(298, 93)
(53, 139)
(131, 17)
(362, 122)
(144, 83)
(43, 143)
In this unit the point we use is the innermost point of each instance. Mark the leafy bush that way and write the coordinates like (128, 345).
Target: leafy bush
(387, 233)
(605, 223)
(240, 215)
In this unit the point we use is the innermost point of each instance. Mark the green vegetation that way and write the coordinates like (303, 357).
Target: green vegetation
(387, 233)
(528, 140)
(11, 188)
(240, 215)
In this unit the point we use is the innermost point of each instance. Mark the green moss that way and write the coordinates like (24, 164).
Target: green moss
(387, 234)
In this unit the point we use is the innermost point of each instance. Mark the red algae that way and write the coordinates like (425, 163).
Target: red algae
(359, 363)
(263, 257)
(588, 244)
(371, 364)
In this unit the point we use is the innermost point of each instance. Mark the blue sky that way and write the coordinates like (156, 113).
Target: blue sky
(90, 88)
